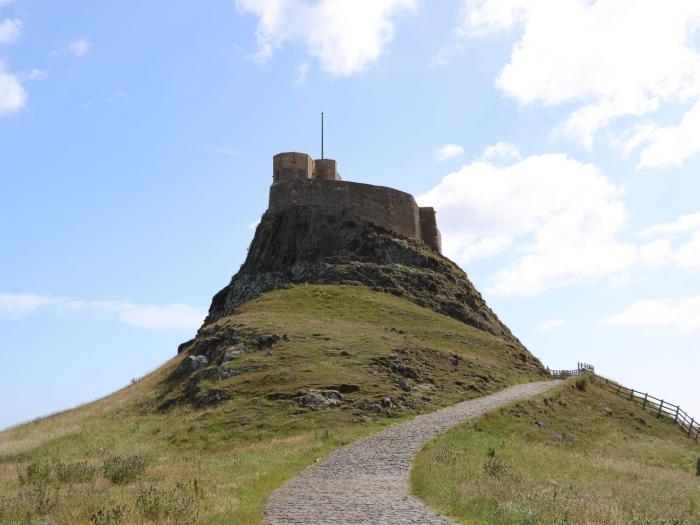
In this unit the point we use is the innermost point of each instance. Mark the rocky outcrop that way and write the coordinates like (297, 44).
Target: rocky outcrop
(305, 244)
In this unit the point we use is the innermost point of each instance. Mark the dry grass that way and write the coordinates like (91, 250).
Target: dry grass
(239, 450)
(577, 466)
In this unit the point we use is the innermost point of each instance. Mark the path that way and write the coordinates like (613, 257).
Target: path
(366, 483)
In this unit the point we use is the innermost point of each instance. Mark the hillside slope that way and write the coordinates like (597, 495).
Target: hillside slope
(579, 454)
(308, 244)
(261, 393)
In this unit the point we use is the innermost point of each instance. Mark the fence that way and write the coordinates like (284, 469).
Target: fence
(581, 369)
(662, 408)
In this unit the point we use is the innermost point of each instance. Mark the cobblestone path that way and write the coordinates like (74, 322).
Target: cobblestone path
(366, 483)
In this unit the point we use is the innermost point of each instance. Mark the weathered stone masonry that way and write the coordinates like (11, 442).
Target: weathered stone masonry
(300, 181)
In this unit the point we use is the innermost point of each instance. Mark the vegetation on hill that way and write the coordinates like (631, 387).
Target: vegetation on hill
(579, 454)
(260, 394)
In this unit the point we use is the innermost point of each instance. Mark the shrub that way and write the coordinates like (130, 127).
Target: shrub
(178, 505)
(36, 473)
(39, 499)
(582, 384)
(494, 466)
(78, 472)
(109, 516)
(122, 470)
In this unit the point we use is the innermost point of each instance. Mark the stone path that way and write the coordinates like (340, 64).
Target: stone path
(366, 483)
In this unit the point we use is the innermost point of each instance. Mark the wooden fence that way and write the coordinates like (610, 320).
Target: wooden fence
(661, 407)
(581, 369)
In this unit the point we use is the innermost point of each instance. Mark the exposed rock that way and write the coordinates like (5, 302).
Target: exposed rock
(540, 424)
(608, 411)
(315, 245)
(404, 385)
(320, 399)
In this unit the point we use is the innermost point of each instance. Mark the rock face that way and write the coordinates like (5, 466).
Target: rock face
(311, 244)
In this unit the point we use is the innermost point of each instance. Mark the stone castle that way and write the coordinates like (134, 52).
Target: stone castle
(299, 180)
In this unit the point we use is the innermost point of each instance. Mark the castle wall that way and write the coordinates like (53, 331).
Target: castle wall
(385, 207)
(429, 232)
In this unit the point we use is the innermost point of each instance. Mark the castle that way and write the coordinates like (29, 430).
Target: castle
(299, 180)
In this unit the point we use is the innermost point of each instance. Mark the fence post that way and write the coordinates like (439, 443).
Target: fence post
(661, 406)
(645, 401)
(697, 472)
(675, 419)
(632, 394)
(690, 427)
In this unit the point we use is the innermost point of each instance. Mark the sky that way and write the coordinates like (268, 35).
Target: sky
(558, 140)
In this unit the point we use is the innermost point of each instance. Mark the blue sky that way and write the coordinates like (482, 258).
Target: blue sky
(557, 140)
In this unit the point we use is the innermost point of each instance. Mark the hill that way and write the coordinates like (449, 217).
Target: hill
(260, 394)
(578, 454)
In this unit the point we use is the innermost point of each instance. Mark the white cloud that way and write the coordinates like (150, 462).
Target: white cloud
(172, 316)
(675, 243)
(557, 219)
(684, 224)
(10, 29)
(500, 150)
(344, 36)
(301, 73)
(549, 325)
(80, 47)
(33, 74)
(14, 306)
(608, 58)
(681, 314)
(448, 151)
(12, 94)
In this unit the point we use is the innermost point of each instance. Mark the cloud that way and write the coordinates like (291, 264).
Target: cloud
(10, 29)
(344, 36)
(448, 151)
(674, 243)
(500, 150)
(557, 220)
(169, 317)
(684, 224)
(598, 57)
(549, 325)
(80, 47)
(301, 73)
(12, 94)
(682, 314)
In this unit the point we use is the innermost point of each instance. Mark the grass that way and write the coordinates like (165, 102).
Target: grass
(128, 459)
(576, 455)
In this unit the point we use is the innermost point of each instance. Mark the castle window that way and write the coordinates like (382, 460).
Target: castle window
(288, 174)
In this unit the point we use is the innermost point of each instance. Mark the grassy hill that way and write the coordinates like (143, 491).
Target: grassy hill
(208, 440)
(576, 455)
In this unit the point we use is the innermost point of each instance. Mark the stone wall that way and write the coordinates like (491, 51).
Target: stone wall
(385, 207)
(429, 232)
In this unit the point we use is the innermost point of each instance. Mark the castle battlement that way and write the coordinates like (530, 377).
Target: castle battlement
(298, 180)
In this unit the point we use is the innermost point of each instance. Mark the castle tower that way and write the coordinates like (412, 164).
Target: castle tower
(291, 166)
(326, 169)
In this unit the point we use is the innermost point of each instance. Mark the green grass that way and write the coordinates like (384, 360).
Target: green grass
(571, 456)
(217, 463)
